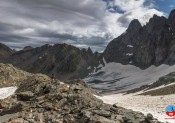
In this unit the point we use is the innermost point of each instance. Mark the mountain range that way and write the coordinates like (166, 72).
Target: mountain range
(141, 46)
(63, 60)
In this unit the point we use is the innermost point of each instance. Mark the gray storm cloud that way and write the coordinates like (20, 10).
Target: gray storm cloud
(82, 23)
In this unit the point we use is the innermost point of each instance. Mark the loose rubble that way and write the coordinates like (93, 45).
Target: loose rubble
(38, 99)
(59, 103)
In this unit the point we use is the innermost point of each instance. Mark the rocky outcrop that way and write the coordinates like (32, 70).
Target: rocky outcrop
(11, 76)
(38, 99)
(142, 46)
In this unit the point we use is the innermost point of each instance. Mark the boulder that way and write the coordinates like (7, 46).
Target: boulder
(100, 119)
(25, 96)
(149, 116)
(102, 112)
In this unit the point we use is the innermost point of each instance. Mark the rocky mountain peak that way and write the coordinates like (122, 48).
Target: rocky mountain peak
(27, 48)
(172, 15)
(171, 20)
(155, 23)
(134, 26)
(152, 44)
(64, 60)
(89, 51)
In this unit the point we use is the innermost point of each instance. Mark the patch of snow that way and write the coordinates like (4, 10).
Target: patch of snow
(129, 54)
(130, 46)
(169, 28)
(94, 70)
(89, 67)
(155, 105)
(6, 92)
(104, 61)
(100, 66)
(62, 83)
(130, 62)
(132, 76)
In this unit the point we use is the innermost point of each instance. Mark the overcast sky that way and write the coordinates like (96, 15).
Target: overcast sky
(82, 23)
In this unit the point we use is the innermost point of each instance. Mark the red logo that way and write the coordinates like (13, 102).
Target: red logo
(170, 110)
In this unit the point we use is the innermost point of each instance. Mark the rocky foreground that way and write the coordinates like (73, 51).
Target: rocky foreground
(40, 99)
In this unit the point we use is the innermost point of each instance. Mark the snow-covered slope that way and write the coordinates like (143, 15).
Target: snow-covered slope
(115, 77)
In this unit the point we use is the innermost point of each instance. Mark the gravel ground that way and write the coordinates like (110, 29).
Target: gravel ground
(146, 104)
(6, 117)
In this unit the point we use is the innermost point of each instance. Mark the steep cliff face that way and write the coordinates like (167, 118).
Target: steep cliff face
(152, 44)
(121, 49)
(171, 24)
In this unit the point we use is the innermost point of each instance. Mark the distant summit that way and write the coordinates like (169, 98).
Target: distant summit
(134, 26)
(27, 48)
(152, 44)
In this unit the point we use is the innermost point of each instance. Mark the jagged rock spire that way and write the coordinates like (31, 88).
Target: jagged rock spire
(134, 26)
(171, 20)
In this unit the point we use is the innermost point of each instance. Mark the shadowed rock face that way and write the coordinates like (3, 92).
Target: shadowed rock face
(171, 20)
(152, 44)
(5, 52)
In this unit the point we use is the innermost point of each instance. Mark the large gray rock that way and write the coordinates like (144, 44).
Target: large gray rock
(103, 113)
(25, 96)
(149, 116)
(100, 119)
